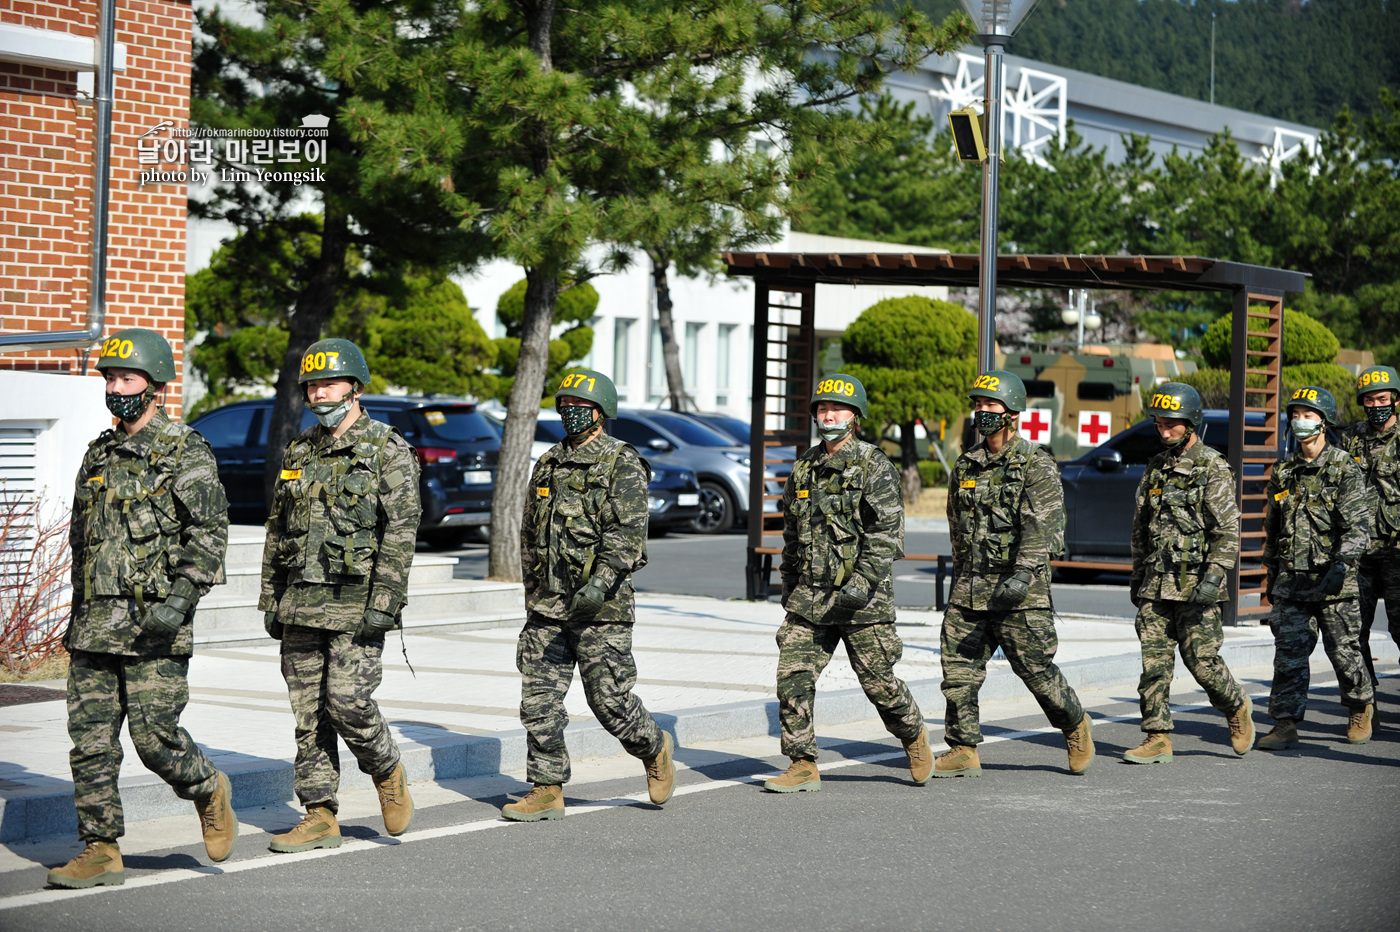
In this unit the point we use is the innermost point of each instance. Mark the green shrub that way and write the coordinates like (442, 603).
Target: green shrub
(1304, 341)
(931, 473)
(1336, 379)
(1213, 384)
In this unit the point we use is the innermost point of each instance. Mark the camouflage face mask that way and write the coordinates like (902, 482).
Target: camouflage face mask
(989, 422)
(1379, 415)
(130, 407)
(835, 432)
(577, 419)
(331, 413)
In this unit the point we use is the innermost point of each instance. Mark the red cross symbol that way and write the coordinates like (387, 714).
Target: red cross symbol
(1092, 426)
(1034, 423)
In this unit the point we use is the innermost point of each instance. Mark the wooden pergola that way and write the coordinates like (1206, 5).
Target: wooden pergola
(785, 365)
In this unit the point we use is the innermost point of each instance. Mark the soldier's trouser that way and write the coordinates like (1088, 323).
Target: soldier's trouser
(330, 677)
(804, 650)
(151, 692)
(546, 655)
(1378, 577)
(1028, 637)
(1295, 626)
(1162, 626)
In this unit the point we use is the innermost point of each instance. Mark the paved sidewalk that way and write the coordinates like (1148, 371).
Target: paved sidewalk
(707, 670)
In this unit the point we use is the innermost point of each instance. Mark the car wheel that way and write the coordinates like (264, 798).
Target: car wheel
(716, 510)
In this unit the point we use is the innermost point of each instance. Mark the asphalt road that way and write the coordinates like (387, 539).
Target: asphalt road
(1303, 839)
(698, 564)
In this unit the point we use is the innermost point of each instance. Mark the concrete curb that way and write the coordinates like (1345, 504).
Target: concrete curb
(439, 754)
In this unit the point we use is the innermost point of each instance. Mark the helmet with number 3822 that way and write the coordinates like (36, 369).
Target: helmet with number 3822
(1002, 386)
(333, 359)
(846, 389)
(143, 350)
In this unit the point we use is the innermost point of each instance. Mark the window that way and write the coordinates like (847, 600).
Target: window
(656, 364)
(1097, 391)
(1138, 446)
(691, 432)
(635, 432)
(587, 361)
(692, 355)
(226, 428)
(724, 347)
(622, 360)
(460, 423)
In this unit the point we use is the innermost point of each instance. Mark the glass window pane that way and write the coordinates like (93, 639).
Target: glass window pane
(226, 428)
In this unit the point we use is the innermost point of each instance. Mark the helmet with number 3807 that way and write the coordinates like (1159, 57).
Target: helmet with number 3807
(334, 359)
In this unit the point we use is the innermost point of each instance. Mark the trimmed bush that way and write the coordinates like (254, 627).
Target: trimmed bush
(1214, 385)
(1304, 341)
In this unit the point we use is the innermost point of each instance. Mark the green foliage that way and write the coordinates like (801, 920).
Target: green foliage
(1320, 55)
(1213, 384)
(430, 342)
(1304, 341)
(931, 474)
(1338, 380)
(916, 357)
(576, 305)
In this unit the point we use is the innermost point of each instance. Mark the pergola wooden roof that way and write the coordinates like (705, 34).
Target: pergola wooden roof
(1135, 273)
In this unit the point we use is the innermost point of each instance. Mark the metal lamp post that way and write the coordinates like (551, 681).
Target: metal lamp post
(996, 21)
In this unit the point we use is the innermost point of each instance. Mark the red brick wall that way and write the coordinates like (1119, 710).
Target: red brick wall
(46, 184)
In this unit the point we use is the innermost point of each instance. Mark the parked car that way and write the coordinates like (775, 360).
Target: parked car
(673, 495)
(458, 451)
(731, 426)
(1101, 486)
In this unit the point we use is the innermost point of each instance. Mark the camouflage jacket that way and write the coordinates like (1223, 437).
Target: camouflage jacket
(149, 513)
(1315, 514)
(1005, 512)
(1186, 522)
(843, 517)
(343, 525)
(1378, 455)
(585, 518)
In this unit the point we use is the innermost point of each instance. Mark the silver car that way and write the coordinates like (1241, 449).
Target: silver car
(721, 464)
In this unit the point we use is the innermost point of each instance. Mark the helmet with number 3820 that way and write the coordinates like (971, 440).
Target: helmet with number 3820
(139, 349)
(846, 389)
(334, 359)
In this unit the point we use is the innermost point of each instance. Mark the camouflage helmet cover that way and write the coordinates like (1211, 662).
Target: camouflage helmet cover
(1178, 400)
(143, 350)
(1317, 398)
(1377, 378)
(333, 359)
(590, 385)
(842, 388)
(1002, 386)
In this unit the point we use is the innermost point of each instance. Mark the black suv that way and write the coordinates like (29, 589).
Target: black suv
(1101, 486)
(457, 446)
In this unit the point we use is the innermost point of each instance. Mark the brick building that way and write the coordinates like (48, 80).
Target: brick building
(48, 52)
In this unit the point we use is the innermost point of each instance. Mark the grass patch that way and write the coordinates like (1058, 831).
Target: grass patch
(53, 667)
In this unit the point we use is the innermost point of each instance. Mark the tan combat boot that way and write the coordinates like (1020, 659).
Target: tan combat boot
(217, 819)
(1359, 724)
(1283, 737)
(100, 865)
(1080, 743)
(542, 802)
(317, 829)
(958, 761)
(661, 772)
(394, 802)
(1242, 728)
(920, 757)
(1156, 748)
(801, 777)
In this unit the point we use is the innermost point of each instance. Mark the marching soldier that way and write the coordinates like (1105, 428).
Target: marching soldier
(149, 530)
(1375, 444)
(843, 528)
(1317, 526)
(583, 536)
(1006, 520)
(1186, 538)
(340, 541)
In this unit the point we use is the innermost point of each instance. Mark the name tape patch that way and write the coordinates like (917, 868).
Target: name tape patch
(968, 484)
(290, 474)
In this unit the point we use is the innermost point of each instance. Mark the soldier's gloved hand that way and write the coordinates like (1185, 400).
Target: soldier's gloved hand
(167, 617)
(1012, 590)
(1207, 591)
(855, 595)
(374, 623)
(1331, 583)
(272, 626)
(1134, 585)
(787, 594)
(589, 600)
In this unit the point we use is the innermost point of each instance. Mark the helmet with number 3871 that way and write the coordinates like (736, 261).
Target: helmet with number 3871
(846, 389)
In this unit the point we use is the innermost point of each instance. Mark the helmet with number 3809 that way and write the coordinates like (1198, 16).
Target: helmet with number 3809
(846, 389)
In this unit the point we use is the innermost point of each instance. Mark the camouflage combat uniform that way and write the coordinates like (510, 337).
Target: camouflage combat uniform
(1316, 514)
(1005, 513)
(149, 520)
(843, 520)
(585, 519)
(1186, 524)
(339, 541)
(1378, 572)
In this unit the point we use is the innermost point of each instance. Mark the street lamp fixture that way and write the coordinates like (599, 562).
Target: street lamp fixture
(996, 22)
(967, 134)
